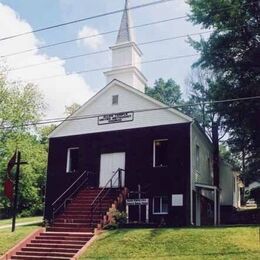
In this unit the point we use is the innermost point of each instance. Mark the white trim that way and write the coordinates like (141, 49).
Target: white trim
(154, 141)
(206, 186)
(160, 213)
(127, 44)
(191, 177)
(68, 158)
(127, 87)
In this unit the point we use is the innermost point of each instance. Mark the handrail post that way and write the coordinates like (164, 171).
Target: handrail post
(120, 178)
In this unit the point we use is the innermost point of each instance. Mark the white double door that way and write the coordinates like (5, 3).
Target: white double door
(109, 163)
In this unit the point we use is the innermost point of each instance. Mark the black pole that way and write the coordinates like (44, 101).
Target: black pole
(16, 189)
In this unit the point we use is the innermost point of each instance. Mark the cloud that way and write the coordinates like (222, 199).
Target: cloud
(57, 92)
(92, 42)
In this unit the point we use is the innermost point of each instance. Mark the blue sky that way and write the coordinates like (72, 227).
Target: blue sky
(41, 13)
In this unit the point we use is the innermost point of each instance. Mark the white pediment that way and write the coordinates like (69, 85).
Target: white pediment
(144, 112)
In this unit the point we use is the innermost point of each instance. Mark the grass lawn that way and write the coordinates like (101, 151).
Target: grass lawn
(4, 222)
(9, 239)
(180, 243)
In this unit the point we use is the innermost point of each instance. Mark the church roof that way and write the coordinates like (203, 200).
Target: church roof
(125, 33)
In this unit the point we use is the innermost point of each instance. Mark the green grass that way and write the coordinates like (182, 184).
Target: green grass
(5, 222)
(182, 243)
(9, 239)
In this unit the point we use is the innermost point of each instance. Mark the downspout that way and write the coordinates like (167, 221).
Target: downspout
(191, 177)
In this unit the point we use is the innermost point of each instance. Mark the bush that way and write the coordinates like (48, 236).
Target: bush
(118, 218)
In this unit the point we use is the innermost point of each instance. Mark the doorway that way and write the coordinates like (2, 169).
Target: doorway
(109, 163)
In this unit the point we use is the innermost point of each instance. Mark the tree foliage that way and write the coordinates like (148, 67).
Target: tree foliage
(21, 105)
(232, 53)
(167, 92)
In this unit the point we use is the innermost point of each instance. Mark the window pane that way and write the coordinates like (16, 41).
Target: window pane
(164, 205)
(161, 148)
(74, 159)
(156, 205)
(114, 99)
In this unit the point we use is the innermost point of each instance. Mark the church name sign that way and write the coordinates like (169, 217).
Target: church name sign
(136, 202)
(115, 118)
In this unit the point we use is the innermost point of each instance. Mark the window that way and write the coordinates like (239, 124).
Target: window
(160, 205)
(160, 148)
(115, 100)
(73, 159)
(197, 158)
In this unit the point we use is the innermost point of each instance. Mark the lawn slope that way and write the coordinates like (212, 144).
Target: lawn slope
(9, 239)
(184, 243)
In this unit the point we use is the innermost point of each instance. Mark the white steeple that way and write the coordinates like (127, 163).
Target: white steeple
(126, 56)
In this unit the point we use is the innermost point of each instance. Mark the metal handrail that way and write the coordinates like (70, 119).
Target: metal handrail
(99, 198)
(109, 181)
(70, 195)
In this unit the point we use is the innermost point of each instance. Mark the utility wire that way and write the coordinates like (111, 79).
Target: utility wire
(114, 67)
(84, 19)
(90, 36)
(107, 50)
(72, 118)
(109, 32)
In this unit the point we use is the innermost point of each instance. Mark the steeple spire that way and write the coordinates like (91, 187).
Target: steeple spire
(125, 33)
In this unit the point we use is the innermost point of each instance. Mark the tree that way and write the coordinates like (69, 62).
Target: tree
(21, 105)
(168, 92)
(232, 53)
(69, 110)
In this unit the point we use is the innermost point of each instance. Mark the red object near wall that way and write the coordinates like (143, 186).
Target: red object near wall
(8, 189)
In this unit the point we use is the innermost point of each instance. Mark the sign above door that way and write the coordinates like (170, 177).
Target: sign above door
(116, 118)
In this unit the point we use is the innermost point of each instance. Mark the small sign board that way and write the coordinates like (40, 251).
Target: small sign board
(136, 202)
(115, 118)
(177, 199)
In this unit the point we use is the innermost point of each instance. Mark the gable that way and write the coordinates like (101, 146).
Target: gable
(145, 111)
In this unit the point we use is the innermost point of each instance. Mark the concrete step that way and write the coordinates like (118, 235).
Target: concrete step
(64, 229)
(57, 241)
(64, 238)
(67, 234)
(56, 254)
(39, 257)
(78, 221)
(51, 245)
(48, 249)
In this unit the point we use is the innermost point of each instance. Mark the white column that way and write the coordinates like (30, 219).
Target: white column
(218, 207)
(215, 207)
(198, 221)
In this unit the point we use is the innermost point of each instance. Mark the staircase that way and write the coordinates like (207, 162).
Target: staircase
(71, 229)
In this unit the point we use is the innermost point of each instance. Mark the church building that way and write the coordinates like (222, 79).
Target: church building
(125, 139)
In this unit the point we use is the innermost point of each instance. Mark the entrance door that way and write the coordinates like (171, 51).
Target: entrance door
(109, 163)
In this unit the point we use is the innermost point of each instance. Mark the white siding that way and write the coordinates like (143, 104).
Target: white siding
(227, 185)
(128, 100)
(204, 175)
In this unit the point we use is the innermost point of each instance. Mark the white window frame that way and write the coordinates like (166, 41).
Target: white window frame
(154, 154)
(68, 165)
(161, 212)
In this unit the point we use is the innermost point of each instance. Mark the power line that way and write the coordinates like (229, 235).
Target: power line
(58, 120)
(114, 67)
(114, 31)
(83, 19)
(107, 50)
(90, 36)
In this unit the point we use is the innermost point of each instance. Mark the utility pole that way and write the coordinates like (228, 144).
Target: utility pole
(16, 189)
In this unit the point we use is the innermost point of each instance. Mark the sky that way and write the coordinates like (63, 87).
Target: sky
(21, 16)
